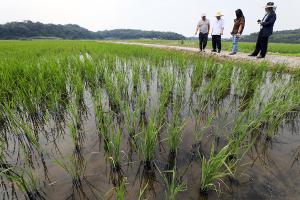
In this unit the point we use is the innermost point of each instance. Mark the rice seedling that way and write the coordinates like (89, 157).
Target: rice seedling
(215, 169)
(113, 148)
(142, 105)
(172, 184)
(148, 140)
(197, 76)
(175, 128)
(113, 91)
(120, 190)
(166, 94)
(135, 92)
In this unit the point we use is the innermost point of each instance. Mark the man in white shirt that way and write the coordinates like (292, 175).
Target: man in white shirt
(217, 32)
(203, 27)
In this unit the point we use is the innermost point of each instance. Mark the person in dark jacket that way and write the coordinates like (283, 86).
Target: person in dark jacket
(267, 24)
(238, 27)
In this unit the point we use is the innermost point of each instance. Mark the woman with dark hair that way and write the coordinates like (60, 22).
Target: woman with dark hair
(238, 27)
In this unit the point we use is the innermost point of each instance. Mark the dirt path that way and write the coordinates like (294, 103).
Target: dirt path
(292, 62)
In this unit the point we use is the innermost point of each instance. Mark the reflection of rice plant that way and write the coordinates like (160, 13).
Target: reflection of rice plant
(76, 170)
(25, 179)
(215, 169)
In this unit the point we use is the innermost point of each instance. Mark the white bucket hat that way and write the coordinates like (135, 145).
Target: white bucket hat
(203, 15)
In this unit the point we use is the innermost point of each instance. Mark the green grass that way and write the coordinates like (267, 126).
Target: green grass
(247, 47)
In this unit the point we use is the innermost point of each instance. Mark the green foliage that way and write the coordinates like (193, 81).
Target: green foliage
(31, 30)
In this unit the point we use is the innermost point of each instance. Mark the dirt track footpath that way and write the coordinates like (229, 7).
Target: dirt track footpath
(292, 62)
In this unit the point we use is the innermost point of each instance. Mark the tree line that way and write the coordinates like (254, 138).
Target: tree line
(287, 36)
(29, 29)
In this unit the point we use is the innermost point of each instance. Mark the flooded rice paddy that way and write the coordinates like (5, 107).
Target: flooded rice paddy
(135, 129)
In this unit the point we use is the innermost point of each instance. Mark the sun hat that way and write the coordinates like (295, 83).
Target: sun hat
(219, 14)
(270, 5)
(203, 15)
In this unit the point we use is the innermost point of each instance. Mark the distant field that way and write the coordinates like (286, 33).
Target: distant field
(274, 48)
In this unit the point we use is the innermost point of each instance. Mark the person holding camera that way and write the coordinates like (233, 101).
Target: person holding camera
(266, 30)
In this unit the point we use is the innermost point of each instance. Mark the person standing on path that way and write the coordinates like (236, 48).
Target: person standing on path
(266, 30)
(238, 27)
(217, 32)
(203, 27)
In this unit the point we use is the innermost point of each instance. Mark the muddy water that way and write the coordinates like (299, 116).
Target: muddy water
(270, 170)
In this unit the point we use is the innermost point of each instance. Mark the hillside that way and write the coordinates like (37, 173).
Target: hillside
(287, 36)
(29, 29)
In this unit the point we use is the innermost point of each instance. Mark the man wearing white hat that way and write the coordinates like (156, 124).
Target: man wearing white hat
(217, 32)
(266, 30)
(203, 28)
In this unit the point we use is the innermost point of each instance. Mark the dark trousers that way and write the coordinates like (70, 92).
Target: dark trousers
(261, 45)
(216, 42)
(203, 37)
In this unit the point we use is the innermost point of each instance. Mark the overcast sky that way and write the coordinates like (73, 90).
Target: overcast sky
(180, 16)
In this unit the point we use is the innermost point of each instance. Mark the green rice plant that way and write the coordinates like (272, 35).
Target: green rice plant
(197, 76)
(113, 91)
(142, 104)
(111, 133)
(173, 185)
(103, 119)
(114, 148)
(215, 169)
(75, 122)
(165, 96)
(219, 85)
(175, 129)
(122, 84)
(148, 140)
(120, 190)
(131, 120)
(135, 77)
(267, 114)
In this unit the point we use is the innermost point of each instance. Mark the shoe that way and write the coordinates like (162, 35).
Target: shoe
(232, 53)
(251, 55)
(219, 51)
(214, 51)
(260, 57)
